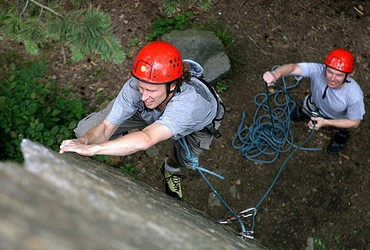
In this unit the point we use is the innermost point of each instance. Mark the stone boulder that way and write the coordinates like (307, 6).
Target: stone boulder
(203, 47)
(72, 202)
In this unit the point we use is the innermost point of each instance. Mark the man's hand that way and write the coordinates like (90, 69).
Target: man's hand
(78, 146)
(336, 123)
(273, 76)
(269, 77)
(91, 144)
(319, 123)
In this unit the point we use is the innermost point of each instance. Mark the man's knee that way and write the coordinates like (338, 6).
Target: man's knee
(92, 120)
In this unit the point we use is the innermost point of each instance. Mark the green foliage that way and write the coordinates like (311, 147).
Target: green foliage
(226, 37)
(228, 41)
(165, 25)
(222, 86)
(134, 42)
(84, 30)
(103, 158)
(318, 244)
(80, 2)
(128, 169)
(174, 6)
(337, 240)
(33, 107)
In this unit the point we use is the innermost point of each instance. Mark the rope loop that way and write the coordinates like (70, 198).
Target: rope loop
(194, 160)
(267, 137)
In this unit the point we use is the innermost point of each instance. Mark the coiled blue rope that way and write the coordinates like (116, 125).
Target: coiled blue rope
(269, 135)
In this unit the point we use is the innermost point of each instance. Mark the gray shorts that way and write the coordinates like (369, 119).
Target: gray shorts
(196, 141)
(96, 118)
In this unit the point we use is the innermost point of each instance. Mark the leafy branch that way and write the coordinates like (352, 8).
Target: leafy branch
(84, 30)
(43, 7)
(175, 6)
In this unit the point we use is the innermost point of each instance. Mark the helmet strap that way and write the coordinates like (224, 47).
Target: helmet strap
(345, 79)
(169, 91)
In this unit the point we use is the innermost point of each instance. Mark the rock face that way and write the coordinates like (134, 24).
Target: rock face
(72, 202)
(203, 47)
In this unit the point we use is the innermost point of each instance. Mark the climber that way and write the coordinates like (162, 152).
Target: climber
(336, 98)
(165, 98)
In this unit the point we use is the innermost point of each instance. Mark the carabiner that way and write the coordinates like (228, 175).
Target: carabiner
(314, 114)
(247, 235)
(248, 212)
(245, 214)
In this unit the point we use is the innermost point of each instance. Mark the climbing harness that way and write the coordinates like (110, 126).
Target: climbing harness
(268, 137)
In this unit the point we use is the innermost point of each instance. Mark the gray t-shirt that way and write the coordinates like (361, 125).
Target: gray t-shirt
(190, 110)
(345, 102)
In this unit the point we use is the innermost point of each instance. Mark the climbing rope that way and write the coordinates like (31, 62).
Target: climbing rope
(270, 134)
(268, 137)
(195, 166)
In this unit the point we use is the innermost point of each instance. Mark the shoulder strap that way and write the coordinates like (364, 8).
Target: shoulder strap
(220, 108)
(197, 71)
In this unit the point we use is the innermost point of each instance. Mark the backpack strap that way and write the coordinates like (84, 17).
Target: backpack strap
(197, 72)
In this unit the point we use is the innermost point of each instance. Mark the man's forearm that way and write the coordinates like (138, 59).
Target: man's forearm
(285, 69)
(98, 134)
(343, 123)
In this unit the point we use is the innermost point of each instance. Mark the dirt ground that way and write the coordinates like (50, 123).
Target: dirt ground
(318, 196)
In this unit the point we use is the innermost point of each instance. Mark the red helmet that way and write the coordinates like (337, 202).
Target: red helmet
(158, 62)
(340, 59)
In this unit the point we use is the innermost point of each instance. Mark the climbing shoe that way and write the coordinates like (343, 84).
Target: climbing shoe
(172, 182)
(297, 115)
(339, 142)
